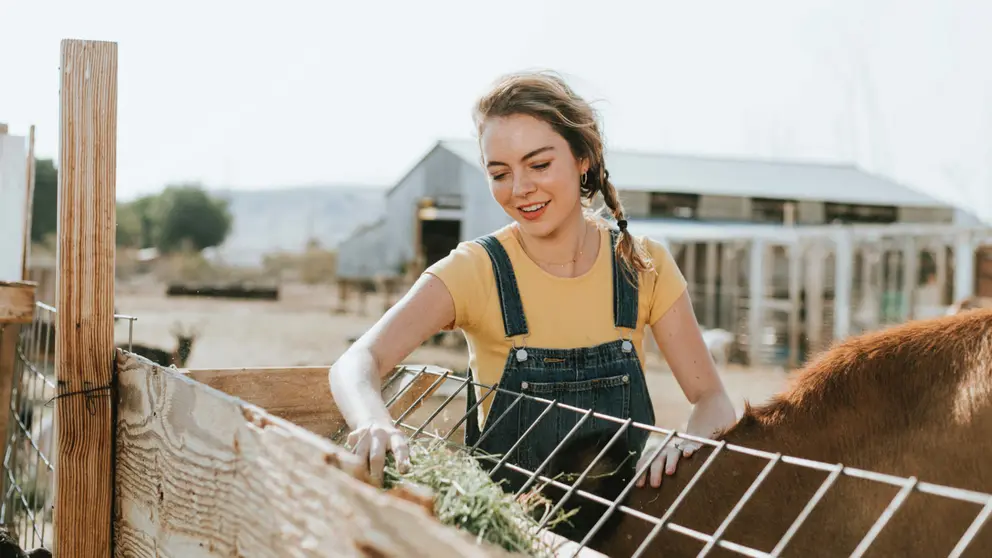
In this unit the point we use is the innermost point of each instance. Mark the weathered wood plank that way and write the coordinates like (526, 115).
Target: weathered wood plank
(300, 394)
(9, 334)
(84, 340)
(201, 473)
(28, 205)
(17, 302)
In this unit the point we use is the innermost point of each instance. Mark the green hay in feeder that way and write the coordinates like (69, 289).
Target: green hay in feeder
(467, 498)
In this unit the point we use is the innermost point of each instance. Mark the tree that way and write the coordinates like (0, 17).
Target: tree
(137, 222)
(45, 210)
(187, 215)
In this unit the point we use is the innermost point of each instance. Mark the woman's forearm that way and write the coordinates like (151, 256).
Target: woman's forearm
(356, 387)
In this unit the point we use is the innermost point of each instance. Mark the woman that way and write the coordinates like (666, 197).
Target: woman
(553, 305)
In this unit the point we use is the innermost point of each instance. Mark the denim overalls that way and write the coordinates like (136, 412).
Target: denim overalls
(605, 378)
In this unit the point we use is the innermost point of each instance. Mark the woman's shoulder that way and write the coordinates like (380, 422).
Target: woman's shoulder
(467, 273)
(473, 253)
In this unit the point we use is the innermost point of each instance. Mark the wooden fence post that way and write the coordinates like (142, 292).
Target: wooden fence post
(84, 346)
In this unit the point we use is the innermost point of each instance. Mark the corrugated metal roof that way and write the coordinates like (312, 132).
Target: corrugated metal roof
(662, 172)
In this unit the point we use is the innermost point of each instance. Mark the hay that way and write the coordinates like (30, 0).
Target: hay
(466, 497)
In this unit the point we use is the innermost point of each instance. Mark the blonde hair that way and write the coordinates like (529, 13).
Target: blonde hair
(546, 96)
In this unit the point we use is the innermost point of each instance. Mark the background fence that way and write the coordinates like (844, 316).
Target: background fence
(29, 464)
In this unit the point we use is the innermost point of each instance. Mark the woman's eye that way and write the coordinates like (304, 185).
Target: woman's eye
(498, 176)
(542, 166)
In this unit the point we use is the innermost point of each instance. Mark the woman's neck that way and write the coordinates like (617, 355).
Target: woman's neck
(566, 251)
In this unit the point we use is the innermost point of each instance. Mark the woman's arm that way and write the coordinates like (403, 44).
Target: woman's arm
(356, 377)
(680, 339)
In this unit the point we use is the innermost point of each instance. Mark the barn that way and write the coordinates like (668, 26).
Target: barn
(828, 249)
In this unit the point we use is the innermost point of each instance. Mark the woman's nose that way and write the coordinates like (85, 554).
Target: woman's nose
(522, 186)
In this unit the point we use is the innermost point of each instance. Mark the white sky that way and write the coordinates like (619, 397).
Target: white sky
(247, 94)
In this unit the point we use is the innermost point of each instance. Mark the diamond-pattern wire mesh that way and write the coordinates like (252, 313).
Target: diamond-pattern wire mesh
(430, 415)
(27, 509)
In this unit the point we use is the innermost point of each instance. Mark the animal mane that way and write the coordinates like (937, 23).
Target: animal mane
(823, 382)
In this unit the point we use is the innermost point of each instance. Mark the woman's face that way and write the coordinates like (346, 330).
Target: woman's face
(532, 172)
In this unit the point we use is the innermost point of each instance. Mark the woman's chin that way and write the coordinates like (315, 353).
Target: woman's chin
(539, 228)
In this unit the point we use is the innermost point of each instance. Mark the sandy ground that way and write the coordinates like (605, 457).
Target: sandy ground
(302, 328)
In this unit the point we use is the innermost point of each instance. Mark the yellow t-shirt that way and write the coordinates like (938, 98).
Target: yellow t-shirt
(561, 313)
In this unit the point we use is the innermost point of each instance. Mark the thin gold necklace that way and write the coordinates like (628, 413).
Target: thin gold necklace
(582, 245)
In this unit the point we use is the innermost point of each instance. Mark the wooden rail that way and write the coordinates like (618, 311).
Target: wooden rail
(17, 302)
(298, 394)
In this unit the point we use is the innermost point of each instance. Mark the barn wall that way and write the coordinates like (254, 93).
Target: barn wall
(926, 215)
(13, 195)
(436, 176)
(401, 207)
(810, 213)
(636, 203)
(442, 176)
(362, 254)
(719, 208)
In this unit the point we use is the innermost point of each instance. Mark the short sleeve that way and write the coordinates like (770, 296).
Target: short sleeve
(466, 273)
(669, 283)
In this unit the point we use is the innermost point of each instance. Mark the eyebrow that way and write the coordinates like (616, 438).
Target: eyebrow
(525, 157)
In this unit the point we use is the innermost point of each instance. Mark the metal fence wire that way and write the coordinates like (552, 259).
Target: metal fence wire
(27, 509)
(432, 415)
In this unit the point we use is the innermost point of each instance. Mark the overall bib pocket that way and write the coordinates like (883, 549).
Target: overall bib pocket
(607, 395)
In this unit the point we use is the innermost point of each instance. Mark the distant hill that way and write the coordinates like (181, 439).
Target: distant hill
(283, 219)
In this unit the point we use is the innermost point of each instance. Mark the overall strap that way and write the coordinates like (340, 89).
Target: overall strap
(514, 322)
(625, 300)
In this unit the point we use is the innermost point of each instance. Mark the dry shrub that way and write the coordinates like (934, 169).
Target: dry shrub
(313, 266)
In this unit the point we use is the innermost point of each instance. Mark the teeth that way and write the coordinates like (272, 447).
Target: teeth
(533, 208)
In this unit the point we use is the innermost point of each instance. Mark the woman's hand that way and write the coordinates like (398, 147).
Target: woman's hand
(666, 461)
(712, 413)
(372, 441)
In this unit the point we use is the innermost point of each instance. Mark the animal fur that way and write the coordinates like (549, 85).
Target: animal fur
(912, 400)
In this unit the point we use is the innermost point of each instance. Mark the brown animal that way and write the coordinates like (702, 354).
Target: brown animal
(912, 400)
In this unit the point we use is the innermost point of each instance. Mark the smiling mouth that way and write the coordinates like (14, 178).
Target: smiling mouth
(533, 207)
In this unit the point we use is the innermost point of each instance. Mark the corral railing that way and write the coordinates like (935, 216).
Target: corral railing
(27, 509)
(449, 387)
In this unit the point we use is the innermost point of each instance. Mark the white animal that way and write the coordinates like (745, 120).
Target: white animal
(718, 342)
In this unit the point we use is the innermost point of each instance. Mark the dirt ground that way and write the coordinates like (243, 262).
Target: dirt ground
(303, 329)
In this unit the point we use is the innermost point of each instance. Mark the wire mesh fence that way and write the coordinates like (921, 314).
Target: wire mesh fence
(435, 415)
(27, 509)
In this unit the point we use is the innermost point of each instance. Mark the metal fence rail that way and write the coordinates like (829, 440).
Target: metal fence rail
(442, 417)
(27, 508)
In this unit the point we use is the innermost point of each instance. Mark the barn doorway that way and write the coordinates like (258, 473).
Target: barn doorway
(438, 238)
